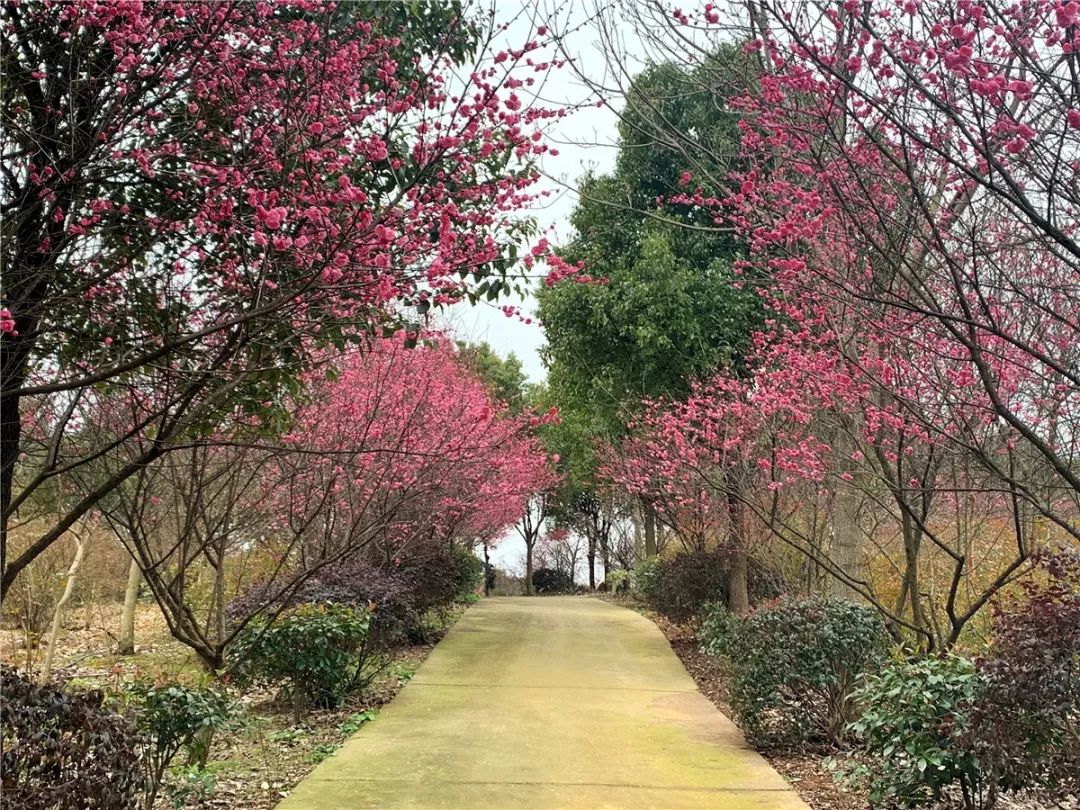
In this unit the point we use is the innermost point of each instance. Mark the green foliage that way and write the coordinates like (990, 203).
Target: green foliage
(64, 751)
(932, 727)
(352, 724)
(173, 717)
(794, 664)
(661, 320)
(672, 308)
(314, 651)
(646, 578)
(618, 580)
(431, 625)
(717, 627)
(192, 786)
(503, 377)
(913, 716)
(468, 574)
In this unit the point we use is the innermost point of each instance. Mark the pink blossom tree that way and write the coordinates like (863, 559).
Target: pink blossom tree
(197, 197)
(906, 188)
(398, 453)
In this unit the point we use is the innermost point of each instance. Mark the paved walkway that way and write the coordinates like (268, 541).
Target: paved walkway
(552, 702)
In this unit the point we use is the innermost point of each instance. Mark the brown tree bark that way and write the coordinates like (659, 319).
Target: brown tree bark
(126, 643)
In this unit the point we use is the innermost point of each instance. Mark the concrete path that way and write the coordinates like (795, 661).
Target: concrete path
(551, 702)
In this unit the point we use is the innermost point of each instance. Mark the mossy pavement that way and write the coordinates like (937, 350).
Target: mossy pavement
(549, 702)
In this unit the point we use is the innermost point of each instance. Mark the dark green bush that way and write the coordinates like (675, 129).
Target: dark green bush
(678, 586)
(468, 575)
(315, 652)
(913, 717)
(64, 751)
(794, 663)
(551, 580)
(173, 718)
(716, 630)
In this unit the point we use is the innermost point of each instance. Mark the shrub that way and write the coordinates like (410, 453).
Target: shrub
(64, 751)
(645, 579)
(313, 651)
(173, 718)
(431, 577)
(398, 596)
(1026, 728)
(617, 581)
(468, 574)
(794, 663)
(717, 627)
(914, 716)
(678, 586)
(551, 580)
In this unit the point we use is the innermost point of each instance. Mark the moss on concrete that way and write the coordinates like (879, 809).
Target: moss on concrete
(548, 702)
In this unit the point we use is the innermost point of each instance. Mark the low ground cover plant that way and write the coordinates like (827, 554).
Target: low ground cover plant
(948, 727)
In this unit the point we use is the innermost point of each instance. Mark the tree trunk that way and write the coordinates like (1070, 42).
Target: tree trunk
(487, 572)
(58, 614)
(592, 561)
(635, 518)
(846, 543)
(528, 569)
(650, 530)
(126, 644)
(10, 435)
(846, 551)
(219, 599)
(738, 592)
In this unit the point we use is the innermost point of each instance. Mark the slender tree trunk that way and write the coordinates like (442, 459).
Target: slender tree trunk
(487, 572)
(592, 561)
(846, 543)
(635, 517)
(58, 614)
(605, 551)
(10, 436)
(219, 598)
(846, 551)
(126, 644)
(650, 529)
(738, 592)
(846, 546)
(528, 569)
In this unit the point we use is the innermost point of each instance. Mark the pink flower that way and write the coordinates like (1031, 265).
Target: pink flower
(7, 323)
